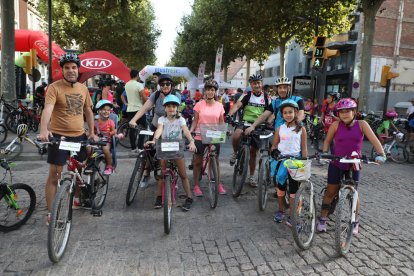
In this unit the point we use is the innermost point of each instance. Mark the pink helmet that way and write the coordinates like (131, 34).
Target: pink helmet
(391, 114)
(346, 103)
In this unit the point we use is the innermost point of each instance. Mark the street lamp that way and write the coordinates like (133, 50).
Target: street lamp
(261, 67)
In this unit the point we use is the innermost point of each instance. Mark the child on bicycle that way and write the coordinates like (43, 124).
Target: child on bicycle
(387, 123)
(105, 127)
(348, 135)
(171, 126)
(289, 140)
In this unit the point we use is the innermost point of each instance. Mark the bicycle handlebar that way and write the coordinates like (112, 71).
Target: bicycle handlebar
(56, 141)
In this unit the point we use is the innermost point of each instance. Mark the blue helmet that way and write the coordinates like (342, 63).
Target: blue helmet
(290, 103)
(171, 99)
(102, 103)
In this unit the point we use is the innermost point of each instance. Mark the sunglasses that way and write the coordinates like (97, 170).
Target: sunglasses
(165, 84)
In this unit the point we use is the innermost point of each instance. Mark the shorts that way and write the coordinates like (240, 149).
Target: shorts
(255, 140)
(335, 174)
(201, 147)
(55, 156)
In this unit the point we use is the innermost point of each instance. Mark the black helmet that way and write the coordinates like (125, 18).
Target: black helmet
(69, 57)
(334, 95)
(255, 78)
(165, 77)
(211, 83)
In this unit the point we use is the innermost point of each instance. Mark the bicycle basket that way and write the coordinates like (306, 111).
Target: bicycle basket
(169, 149)
(299, 170)
(213, 133)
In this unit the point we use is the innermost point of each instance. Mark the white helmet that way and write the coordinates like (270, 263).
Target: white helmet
(282, 80)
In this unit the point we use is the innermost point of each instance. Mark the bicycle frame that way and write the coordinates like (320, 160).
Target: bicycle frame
(170, 170)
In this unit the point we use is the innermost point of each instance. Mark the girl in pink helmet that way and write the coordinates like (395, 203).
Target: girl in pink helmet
(348, 135)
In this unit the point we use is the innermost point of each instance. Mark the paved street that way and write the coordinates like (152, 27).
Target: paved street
(234, 239)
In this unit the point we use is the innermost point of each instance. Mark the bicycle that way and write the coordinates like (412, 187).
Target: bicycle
(394, 149)
(22, 115)
(145, 162)
(210, 135)
(93, 192)
(169, 150)
(13, 149)
(241, 165)
(17, 201)
(346, 203)
(264, 178)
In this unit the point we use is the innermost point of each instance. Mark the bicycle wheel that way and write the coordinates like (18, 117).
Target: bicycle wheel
(343, 225)
(61, 221)
(304, 216)
(212, 182)
(135, 180)
(3, 133)
(12, 151)
(124, 129)
(99, 184)
(263, 182)
(240, 170)
(16, 209)
(167, 204)
(12, 120)
(399, 154)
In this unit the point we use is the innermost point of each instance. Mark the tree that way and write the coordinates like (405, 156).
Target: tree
(369, 9)
(123, 27)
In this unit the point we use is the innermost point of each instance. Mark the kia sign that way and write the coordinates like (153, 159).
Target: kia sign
(96, 63)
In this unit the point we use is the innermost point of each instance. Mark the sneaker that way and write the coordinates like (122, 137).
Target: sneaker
(221, 189)
(49, 219)
(279, 216)
(233, 158)
(134, 151)
(76, 203)
(288, 222)
(190, 167)
(252, 182)
(144, 182)
(81, 205)
(321, 225)
(197, 191)
(158, 202)
(355, 228)
(187, 204)
(108, 171)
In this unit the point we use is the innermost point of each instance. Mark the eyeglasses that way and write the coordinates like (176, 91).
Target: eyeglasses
(165, 84)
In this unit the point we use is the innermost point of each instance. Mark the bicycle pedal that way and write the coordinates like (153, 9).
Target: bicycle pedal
(96, 213)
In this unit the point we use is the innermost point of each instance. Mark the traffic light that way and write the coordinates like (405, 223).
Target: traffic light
(30, 61)
(386, 74)
(318, 51)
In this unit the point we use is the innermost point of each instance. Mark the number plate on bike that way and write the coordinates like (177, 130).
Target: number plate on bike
(71, 146)
(146, 132)
(170, 146)
(214, 134)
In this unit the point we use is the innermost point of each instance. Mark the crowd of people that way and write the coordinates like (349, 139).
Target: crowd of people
(175, 115)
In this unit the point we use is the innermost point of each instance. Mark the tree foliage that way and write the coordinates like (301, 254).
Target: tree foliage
(254, 28)
(124, 28)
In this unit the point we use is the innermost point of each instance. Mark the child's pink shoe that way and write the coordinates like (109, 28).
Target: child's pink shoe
(108, 171)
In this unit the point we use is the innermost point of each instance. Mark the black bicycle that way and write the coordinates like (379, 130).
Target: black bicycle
(264, 178)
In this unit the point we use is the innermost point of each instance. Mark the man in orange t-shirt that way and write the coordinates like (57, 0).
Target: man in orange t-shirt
(67, 102)
(197, 96)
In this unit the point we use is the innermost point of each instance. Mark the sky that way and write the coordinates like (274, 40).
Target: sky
(168, 14)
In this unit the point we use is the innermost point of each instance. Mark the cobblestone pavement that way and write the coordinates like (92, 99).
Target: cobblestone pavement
(234, 239)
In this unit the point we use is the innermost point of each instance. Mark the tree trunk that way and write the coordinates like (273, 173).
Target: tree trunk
(247, 70)
(370, 11)
(225, 73)
(282, 48)
(8, 77)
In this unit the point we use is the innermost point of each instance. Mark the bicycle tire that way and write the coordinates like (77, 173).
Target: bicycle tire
(343, 226)
(212, 182)
(99, 184)
(24, 193)
(15, 150)
(3, 133)
(399, 154)
(240, 170)
(11, 121)
(61, 221)
(304, 216)
(135, 180)
(124, 129)
(263, 182)
(167, 204)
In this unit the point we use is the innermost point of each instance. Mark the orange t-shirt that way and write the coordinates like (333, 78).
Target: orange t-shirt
(69, 105)
(146, 91)
(198, 96)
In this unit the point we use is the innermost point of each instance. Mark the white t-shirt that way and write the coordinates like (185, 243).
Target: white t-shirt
(172, 129)
(289, 143)
(133, 89)
(410, 110)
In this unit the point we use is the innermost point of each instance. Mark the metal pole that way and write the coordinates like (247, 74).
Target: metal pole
(387, 94)
(49, 65)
